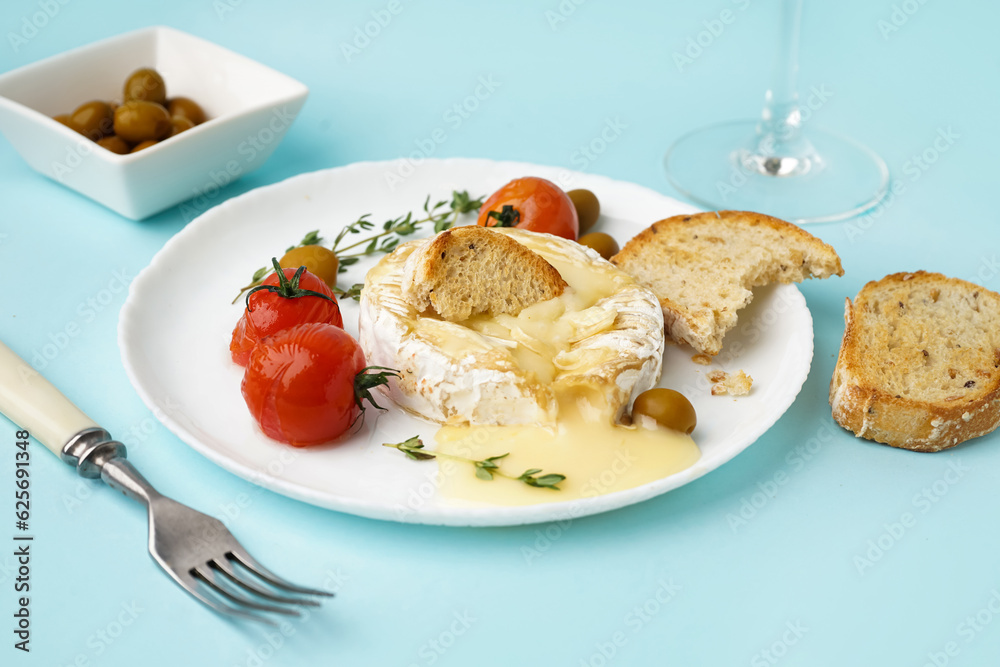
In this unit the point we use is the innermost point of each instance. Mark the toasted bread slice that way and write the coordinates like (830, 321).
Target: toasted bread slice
(919, 365)
(470, 270)
(702, 268)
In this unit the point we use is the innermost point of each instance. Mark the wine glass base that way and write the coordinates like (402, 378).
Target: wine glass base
(714, 167)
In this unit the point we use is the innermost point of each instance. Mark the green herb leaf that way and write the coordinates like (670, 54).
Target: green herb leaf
(312, 238)
(352, 292)
(461, 203)
(549, 481)
(411, 448)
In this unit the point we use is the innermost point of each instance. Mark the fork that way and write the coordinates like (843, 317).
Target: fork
(196, 550)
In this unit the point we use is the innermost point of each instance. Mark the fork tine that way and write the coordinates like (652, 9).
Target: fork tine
(191, 586)
(249, 563)
(210, 578)
(224, 566)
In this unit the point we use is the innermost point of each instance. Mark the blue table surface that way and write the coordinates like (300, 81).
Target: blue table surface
(863, 554)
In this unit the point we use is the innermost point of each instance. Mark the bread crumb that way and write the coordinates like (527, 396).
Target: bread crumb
(702, 359)
(737, 384)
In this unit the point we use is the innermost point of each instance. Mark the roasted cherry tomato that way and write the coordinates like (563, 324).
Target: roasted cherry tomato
(305, 385)
(534, 204)
(296, 297)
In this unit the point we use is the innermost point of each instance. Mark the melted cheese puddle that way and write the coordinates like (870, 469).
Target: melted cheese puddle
(595, 455)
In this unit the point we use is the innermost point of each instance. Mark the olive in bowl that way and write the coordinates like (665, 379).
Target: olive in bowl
(241, 97)
(146, 85)
(139, 121)
(93, 120)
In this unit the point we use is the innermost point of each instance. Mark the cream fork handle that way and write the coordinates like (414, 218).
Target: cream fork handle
(32, 403)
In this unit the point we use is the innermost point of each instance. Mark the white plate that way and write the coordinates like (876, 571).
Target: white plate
(176, 324)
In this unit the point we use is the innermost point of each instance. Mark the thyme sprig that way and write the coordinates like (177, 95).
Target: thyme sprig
(442, 214)
(485, 468)
(352, 292)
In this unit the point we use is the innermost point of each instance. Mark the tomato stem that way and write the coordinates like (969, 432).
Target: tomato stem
(508, 216)
(366, 380)
(287, 288)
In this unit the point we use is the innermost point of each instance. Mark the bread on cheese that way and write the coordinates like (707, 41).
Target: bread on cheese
(919, 364)
(702, 268)
(602, 338)
(470, 270)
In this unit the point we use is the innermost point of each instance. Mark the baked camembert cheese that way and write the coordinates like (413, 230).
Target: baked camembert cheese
(549, 383)
(604, 335)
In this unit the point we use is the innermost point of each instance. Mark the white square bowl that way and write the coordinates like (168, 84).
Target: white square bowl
(249, 109)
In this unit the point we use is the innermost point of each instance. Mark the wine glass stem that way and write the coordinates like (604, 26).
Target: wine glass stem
(781, 119)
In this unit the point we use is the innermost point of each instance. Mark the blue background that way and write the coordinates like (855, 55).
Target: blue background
(671, 581)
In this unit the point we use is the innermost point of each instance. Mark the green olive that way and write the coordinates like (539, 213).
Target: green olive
(180, 124)
(138, 121)
(144, 145)
(588, 209)
(604, 244)
(318, 260)
(186, 108)
(145, 84)
(115, 144)
(93, 120)
(668, 407)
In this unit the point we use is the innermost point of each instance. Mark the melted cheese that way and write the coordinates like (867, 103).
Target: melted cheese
(595, 455)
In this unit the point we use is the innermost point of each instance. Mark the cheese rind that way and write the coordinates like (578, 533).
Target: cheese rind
(604, 334)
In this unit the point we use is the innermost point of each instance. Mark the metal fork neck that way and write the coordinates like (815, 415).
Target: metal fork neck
(122, 476)
(95, 455)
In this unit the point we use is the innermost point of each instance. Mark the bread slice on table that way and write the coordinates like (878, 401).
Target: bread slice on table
(470, 270)
(919, 365)
(703, 267)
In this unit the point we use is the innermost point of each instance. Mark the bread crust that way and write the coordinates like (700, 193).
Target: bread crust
(860, 405)
(684, 325)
